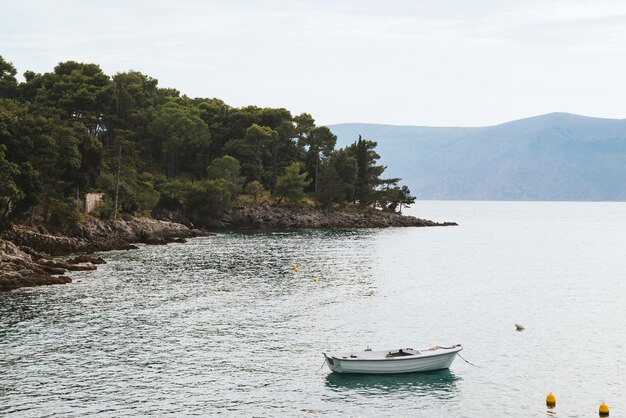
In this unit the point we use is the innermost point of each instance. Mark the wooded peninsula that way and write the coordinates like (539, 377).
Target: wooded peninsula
(90, 162)
(150, 151)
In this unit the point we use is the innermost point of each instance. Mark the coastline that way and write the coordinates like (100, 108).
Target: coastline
(28, 254)
(272, 217)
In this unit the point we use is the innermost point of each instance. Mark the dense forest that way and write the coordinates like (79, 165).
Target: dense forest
(151, 150)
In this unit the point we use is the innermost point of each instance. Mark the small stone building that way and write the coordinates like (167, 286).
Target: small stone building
(92, 200)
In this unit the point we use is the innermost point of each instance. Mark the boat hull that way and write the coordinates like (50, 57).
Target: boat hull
(410, 364)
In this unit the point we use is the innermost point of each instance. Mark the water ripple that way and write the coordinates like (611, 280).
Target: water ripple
(223, 324)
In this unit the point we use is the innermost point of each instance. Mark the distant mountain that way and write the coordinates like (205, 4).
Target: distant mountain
(558, 156)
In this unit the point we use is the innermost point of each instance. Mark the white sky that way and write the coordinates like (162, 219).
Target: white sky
(436, 62)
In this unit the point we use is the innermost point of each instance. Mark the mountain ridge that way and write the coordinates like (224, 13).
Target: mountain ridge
(554, 156)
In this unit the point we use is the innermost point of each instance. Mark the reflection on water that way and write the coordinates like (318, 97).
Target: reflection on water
(438, 384)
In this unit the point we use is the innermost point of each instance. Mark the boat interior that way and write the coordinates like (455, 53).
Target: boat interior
(401, 353)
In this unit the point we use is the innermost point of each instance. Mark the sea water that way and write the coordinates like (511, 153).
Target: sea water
(223, 324)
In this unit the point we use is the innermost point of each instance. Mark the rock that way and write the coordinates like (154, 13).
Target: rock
(17, 269)
(86, 259)
(155, 241)
(98, 235)
(53, 270)
(51, 244)
(65, 265)
(52, 263)
(9, 249)
(265, 216)
(82, 267)
(11, 283)
(35, 255)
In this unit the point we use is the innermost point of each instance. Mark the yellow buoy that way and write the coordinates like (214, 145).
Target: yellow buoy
(296, 269)
(603, 410)
(550, 400)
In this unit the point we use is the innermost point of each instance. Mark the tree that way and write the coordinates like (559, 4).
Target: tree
(346, 168)
(208, 199)
(215, 113)
(8, 82)
(368, 173)
(137, 98)
(291, 185)
(180, 140)
(254, 152)
(319, 143)
(9, 191)
(81, 91)
(304, 125)
(227, 168)
(173, 193)
(406, 199)
(255, 189)
(75, 130)
(391, 196)
(30, 184)
(132, 191)
(332, 188)
(56, 158)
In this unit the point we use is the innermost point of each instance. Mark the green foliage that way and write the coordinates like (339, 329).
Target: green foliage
(136, 194)
(255, 189)
(105, 209)
(137, 97)
(63, 212)
(55, 157)
(319, 144)
(8, 82)
(208, 198)
(30, 184)
(346, 167)
(179, 140)
(405, 197)
(291, 185)
(254, 151)
(332, 189)
(145, 196)
(76, 130)
(80, 91)
(173, 194)
(9, 191)
(226, 167)
(368, 173)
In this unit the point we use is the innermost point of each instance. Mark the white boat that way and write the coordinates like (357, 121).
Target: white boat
(400, 360)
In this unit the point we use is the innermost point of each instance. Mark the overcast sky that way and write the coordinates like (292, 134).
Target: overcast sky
(444, 62)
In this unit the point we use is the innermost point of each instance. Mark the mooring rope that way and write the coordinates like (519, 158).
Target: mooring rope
(468, 362)
(318, 370)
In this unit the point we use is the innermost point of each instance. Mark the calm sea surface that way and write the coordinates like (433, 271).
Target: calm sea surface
(223, 324)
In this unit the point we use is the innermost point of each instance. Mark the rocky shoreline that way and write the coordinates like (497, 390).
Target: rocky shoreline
(98, 235)
(270, 217)
(27, 253)
(17, 269)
